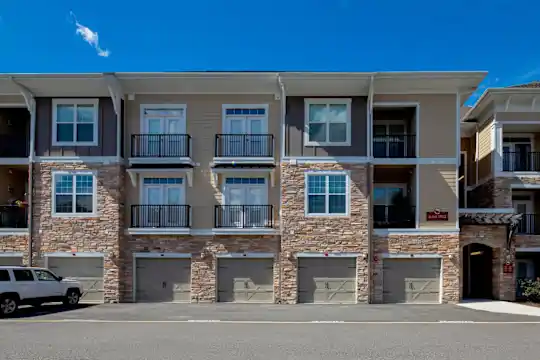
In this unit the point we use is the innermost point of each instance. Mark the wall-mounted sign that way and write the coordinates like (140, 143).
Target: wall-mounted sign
(437, 215)
(508, 268)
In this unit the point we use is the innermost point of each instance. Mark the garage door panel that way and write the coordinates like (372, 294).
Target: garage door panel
(87, 270)
(10, 261)
(163, 280)
(411, 280)
(246, 280)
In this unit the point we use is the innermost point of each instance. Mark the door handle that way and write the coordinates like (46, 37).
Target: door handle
(327, 286)
(164, 284)
(246, 285)
(411, 286)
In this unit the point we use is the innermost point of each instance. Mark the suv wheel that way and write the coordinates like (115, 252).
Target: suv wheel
(8, 305)
(72, 297)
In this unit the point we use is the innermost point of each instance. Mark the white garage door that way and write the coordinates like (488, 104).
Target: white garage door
(87, 270)
(163, 280)
(411, 280)
(11, 260)
(246, 280)
(327, 280)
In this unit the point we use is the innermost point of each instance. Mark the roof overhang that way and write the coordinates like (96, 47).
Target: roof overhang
(295, 83)
(492, 95)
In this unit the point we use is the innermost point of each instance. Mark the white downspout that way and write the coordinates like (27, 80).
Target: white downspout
(370, 171)
(283, 114)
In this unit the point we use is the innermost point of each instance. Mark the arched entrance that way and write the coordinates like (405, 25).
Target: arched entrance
(477, 271)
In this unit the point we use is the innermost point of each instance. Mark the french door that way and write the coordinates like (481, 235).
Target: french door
(245, 206)
(384, 206)
(389, 140)
(165, 131)
(526, 224)
(517, 156)
(244, 137)
(162, 208)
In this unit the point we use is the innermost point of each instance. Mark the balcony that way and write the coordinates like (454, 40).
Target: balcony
(12, 146)
(13, 217)
(243, 217)
(394, 217)
(244, 149)
(521, 161)
(399, 146)
(150, 217)
(529, 225)
(160, 149)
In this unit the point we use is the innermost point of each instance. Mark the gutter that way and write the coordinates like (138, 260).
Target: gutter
(30, 195)
(283, 104)
(369, 186)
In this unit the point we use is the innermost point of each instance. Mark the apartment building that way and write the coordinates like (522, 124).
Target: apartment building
(498, 143)
(247, 187)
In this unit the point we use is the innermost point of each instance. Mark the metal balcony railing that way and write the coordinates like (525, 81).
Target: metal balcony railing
(394, 146)
(394, 217)
(13, 216)
(529, 224)
(160, 145)
(13, 146)
(243, 216)
(521, 161)
(244, 145)
(160, 216)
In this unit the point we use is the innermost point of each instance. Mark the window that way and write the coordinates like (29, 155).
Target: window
(23, 275)
(75, 122)
(4, 275)
(327, 194)
(44, 275)
(328, 122)
(74, 193)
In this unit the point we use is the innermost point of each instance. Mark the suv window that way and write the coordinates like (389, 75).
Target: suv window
(4, 275)
(44, 275)
(23, 275)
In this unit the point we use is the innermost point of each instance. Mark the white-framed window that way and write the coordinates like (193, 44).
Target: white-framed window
(327, 193)
(75, 122)
(327, 122)
(74, 193)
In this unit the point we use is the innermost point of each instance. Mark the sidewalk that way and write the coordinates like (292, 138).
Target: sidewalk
(502, 307)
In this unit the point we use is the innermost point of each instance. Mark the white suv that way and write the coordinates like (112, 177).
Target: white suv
(21, 285)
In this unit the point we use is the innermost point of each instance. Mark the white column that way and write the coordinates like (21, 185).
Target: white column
(497, 147)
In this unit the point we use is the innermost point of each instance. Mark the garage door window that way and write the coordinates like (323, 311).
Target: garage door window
(74, 193)
(327, 194)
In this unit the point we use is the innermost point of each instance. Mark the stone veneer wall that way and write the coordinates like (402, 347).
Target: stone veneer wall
(444, 245)
(15, 243)
(320, 234)
(104, 233)
(203, 250)
(497, 192)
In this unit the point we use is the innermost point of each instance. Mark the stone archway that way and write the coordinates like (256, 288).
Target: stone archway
(477, 270)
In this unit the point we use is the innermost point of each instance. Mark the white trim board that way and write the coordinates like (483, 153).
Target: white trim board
(156, 255)
(333, 254)
(412, 256)
(520, 174)
(158, 231)
(75, 254)
(78, 159)
(524, 186)
(534, 249)
(11, 254)
(300, 160)
(14, 232)
(487, 211)
(416, 232)
(249, 255)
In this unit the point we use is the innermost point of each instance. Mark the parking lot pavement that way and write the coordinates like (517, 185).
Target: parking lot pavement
(270, 313)
(299, 341)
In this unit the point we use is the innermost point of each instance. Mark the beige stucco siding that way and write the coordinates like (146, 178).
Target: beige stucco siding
(518, 116)
(485, 140)
(437, 123)
(437, 185)
(203, 122)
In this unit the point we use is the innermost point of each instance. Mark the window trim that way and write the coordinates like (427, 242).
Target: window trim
(347, 174)
(142, 187)
(94, 213)
(75, 102)
(226, 118)
(327, 101)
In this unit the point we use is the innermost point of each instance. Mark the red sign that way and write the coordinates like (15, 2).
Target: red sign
(437, 215)
(508, 268)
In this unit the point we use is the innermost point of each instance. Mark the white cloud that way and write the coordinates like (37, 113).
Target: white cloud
(90, 36)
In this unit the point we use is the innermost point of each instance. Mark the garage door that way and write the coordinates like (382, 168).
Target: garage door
(327, 280)
(10, 261)
(246, 280)
(163, 280)
(87, 270)
(411, 280)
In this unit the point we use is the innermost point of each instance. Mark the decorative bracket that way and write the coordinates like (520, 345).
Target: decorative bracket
(29, 97)
(507, 103)
(115, 90)
(533, 104)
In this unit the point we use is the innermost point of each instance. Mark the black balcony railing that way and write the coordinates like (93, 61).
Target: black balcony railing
(13, 146)
(162, 145)
(160, 216)
(13, 216)
(394, 146)
(245, 145)
(521, 161)
(243, 216)
(529, 224)
(394, 217)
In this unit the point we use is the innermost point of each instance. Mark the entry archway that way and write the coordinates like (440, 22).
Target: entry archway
(477, 271)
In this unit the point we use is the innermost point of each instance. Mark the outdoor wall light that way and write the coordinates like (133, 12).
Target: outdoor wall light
(364, 256)
(450, 256)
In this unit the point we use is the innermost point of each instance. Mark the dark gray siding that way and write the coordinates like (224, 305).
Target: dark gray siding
(294, 130)
(106, 132)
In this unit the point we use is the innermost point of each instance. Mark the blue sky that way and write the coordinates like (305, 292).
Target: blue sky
(499, 36)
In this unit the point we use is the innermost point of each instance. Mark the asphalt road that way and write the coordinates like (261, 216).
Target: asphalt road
(226, 331)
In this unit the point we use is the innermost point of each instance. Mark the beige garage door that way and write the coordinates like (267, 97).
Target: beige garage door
(411, 280)
(163, 280)
(246, 280)
(87, 270)
(327, 280)
(10, 261)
